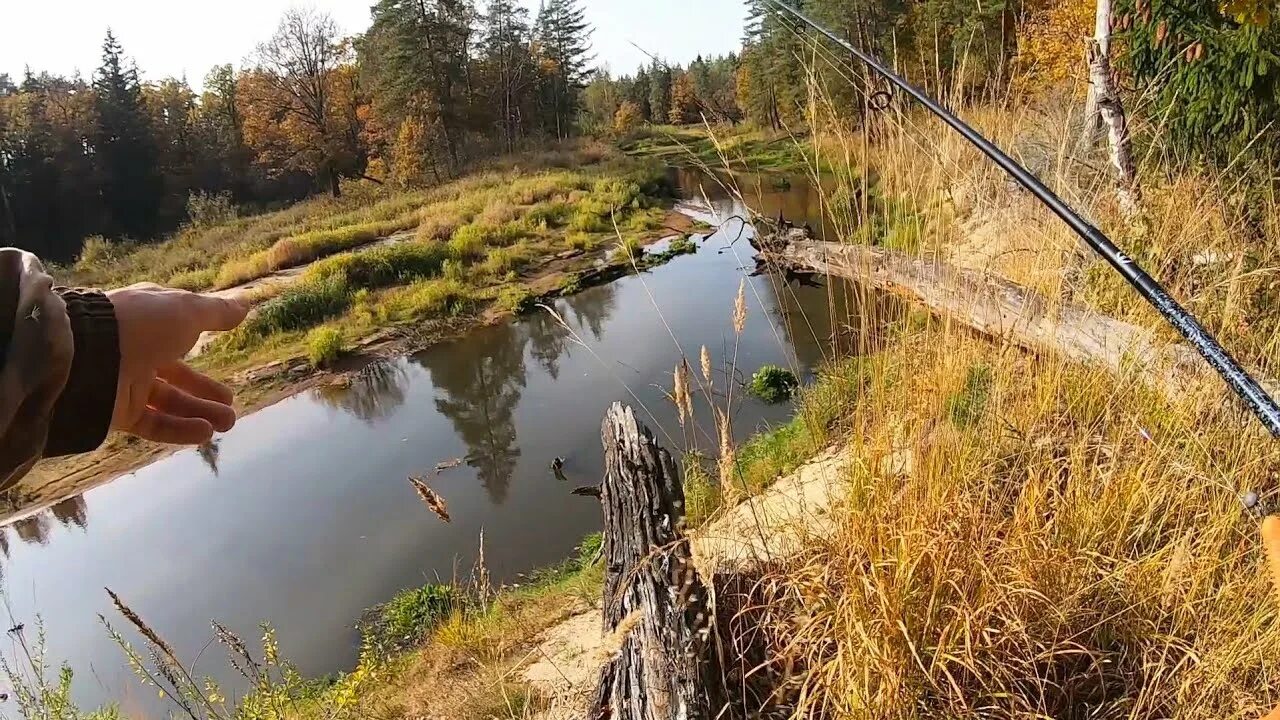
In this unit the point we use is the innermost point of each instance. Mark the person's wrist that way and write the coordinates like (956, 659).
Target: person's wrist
(83, 414)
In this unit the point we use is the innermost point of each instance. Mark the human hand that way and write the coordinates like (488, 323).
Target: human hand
(158, 396)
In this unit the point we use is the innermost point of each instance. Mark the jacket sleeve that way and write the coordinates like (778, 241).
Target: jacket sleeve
(59, 363)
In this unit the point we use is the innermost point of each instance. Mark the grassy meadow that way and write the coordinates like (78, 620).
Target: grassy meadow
(378, 258)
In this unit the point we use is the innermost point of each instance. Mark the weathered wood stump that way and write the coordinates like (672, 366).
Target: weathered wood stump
(666, 668)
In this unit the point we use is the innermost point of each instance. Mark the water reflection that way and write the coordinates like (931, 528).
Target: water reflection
(373, 394)
(208, 452)
(479, 385)
(33, 529)
(72, 511)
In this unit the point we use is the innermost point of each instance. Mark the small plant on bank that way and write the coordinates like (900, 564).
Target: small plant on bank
(773, 384)
(407, 618)
(517, 300)
(632, 247)
(324, 347)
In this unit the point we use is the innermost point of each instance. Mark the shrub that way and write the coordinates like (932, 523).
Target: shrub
(501, 261)
(548, 215)
(500, 212)
(453, 271)
(97, 250)
(517, 300)
(631, 247)
(587, 219)
(390, 265)
(324, 346)
(438, 226)
(580, 241)
(431, 298)
(406, 619)
(967, 406)
(467, 244)
(773, 384)
(206, 209)
(306, 304)
(201, 279)
(701, 495)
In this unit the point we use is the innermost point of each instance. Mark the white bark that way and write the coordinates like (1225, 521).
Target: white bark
(1102, 40)
(1104, 101)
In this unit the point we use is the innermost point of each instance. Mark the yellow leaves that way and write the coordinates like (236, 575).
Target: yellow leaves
(1248, 12)
(1050, 51)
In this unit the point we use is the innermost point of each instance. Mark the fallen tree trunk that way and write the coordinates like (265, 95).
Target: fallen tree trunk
(992, 306)
(665, 668)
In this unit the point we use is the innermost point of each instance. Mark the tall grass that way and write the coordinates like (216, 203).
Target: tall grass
(1022, 536)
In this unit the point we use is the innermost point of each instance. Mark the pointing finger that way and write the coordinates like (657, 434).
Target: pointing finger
(181, 375)
(219, 313)
(172, 401)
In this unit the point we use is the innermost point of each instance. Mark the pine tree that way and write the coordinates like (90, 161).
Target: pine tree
(124, 146)
(639, 94)
(564, 41)
(504, 49)
(660, 92)
(418, 55)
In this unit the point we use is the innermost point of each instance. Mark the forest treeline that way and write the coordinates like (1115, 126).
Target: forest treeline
(434, 84)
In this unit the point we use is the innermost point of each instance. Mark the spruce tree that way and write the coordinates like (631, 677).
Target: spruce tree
(124, 146)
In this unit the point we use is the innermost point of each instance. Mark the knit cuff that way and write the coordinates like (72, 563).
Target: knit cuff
(82, 415)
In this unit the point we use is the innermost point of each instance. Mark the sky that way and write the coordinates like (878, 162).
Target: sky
(183, 38)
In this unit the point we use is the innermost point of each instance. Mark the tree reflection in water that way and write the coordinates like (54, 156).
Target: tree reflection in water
(72, 511)
(550, 338)
(480, 381)
(373, 394)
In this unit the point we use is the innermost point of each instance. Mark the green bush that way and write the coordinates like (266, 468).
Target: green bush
(201, 279)
(431, 298)
(502, 261)
(773, 384)
(390, 265)
(98, 250)
(324, 346)
(406, 619)
(548, 215)
(517, 299)
(302, 306)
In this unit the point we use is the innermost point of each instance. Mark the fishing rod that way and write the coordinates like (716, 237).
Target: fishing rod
(1239, 380)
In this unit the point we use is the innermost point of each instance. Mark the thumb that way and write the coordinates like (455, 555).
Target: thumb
(219, 313)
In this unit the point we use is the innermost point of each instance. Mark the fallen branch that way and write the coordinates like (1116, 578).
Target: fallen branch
(993, 307)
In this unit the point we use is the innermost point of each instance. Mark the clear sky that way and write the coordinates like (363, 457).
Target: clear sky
(181, 37)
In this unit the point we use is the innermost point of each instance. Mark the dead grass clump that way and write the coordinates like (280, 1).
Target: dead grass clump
(1067, 546)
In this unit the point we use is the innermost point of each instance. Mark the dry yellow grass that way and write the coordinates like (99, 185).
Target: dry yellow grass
(1067, 543)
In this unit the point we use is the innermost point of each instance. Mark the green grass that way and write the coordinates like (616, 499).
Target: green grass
(324, 346)
(406, 619)
(773, 384)
(967, 406)
(743, 148)
(302, 306)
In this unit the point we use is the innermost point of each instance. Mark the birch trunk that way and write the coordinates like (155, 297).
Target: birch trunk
(1104, 105)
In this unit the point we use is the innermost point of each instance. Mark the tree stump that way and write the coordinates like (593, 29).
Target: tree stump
(666, 668)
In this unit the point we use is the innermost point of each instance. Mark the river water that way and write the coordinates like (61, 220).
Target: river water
(302, 517)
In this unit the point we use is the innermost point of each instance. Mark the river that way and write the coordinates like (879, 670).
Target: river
(302, 517)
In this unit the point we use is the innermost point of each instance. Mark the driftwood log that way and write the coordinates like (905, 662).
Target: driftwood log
(666, 669)
(992, 306)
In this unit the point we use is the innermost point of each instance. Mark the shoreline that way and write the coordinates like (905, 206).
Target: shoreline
(258, 388)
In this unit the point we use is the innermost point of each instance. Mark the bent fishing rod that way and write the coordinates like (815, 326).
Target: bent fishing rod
(1240, 382)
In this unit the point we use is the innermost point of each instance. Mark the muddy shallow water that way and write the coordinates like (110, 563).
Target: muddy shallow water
(302, 517)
